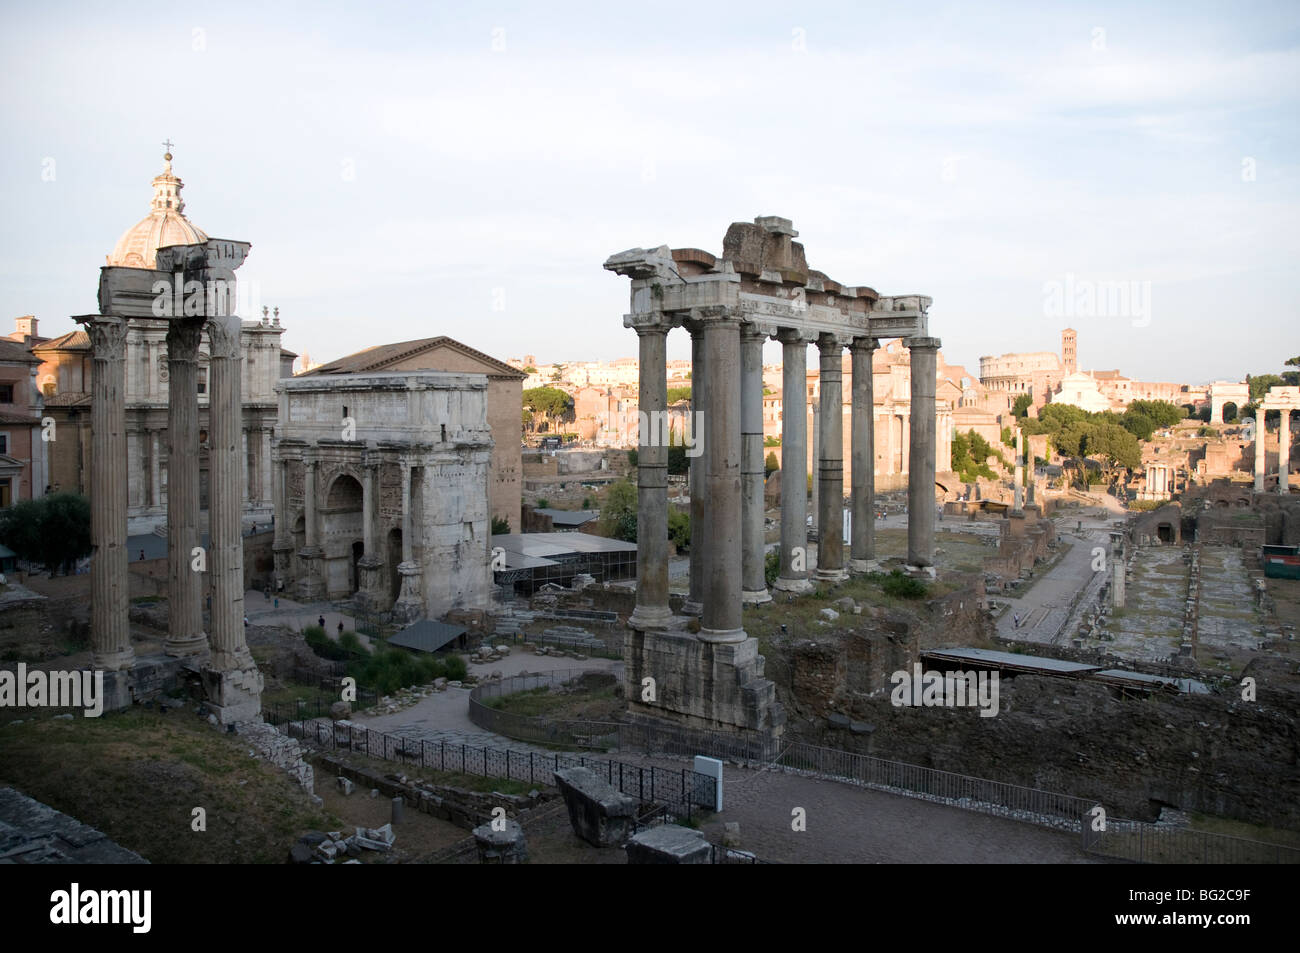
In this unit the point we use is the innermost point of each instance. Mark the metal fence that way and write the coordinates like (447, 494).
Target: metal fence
(681, 791)
(1144, 843)
(560, 733)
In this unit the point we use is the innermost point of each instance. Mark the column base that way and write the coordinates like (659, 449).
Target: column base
(410, 603)
(798, 586)
(831, 575)
(692, 608)
(921, 569)
(721, 636)
(119, 661)
(311, 587)
(864, 565)
(233, 696)
(650, 617)
(700, 684)
(183, 648)
(755, 597)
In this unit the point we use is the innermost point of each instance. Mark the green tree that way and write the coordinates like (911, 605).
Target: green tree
(770, 464)
(618, 511)
(1291, 378)
(1138, 424)
(678, 462)
(500, 526)
(632, 459)
(1114, 448)
(1230, 412)
(678, 393)
(1260, 384)
(548, 403)
(1021, 407)
(53, 530)
(679, 528)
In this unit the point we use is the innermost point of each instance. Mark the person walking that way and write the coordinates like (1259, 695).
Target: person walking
(340, 628)
(322, 622)
(1015, 620)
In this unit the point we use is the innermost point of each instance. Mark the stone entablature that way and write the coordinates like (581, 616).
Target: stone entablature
(382, 490)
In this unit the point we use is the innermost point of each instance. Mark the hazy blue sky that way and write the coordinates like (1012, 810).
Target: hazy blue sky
(398, 176)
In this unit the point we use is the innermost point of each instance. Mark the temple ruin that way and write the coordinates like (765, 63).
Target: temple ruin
(709, 674)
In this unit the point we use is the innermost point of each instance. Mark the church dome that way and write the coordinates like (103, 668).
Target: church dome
(163, 226)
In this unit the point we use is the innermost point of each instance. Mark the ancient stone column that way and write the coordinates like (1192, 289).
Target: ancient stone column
(243, 461)
(920, 474)
(1117, 570)
(863, 448)
(410, 601)
(110, 631)
(830, 465)
(722, 620)
(794, 463)
(371, 563)
(1019, 502)
(753, 550)
(814, 504)
(1260, 465)
(283, 545)
(226, 560)
(694, 603)
(266, 493)
(1284, 450)
(185, 634)
(652, 477)
(155, 468)
(311, 586)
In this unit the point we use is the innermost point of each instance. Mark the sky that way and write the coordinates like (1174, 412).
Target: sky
(406, 170)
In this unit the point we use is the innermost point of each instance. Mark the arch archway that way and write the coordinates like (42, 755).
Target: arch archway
(341, 532)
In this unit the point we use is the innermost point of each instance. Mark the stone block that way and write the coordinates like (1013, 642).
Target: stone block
(506, 846)
(346, 786)
(669, 844)
(600, 814)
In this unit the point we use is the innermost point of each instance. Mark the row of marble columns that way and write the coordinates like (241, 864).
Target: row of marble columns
(726, 482)
(110, 629)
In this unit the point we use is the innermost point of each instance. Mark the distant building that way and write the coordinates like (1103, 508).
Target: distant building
(24, 472)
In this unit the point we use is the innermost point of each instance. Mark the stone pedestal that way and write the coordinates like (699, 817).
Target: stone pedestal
(600, 814)
(669, 844)
(370, 589)
(506, 846)
(708, 685)
(235, 695)
(410, 604)
(311, 582)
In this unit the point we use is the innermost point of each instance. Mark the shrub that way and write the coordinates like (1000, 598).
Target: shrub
(455, 668)
(903, 587)
(500, 526)
(393, 669)
(771, 567)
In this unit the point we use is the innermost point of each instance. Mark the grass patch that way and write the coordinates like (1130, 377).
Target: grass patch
(137, 775)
